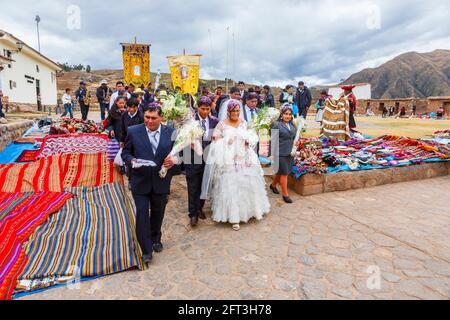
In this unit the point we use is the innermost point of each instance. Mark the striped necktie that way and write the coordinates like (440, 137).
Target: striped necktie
(154, 141)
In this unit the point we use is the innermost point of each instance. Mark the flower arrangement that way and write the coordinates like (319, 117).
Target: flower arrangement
(265, 119)
(176, 110)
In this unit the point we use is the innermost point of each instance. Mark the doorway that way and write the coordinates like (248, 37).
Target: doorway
(447, 108)
(38, 95)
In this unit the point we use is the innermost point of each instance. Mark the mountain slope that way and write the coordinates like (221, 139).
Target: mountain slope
(411, 74)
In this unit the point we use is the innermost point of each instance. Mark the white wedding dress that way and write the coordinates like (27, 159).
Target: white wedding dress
(234, 179)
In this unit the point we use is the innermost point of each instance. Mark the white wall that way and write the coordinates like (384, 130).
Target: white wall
(25, 92)
(361, 92)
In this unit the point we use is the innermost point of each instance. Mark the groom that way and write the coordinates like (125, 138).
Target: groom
(195, 164)
(150, 141)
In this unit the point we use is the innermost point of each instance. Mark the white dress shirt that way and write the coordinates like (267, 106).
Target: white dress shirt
(205, 136)
(157, 137)
(249, 114)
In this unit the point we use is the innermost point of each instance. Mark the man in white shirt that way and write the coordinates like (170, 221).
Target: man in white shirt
(119, 87)
(234, 95)
(242, 92)
(250, 111)
(195, 164)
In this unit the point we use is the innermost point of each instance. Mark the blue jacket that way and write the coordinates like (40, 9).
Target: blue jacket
(146, 180)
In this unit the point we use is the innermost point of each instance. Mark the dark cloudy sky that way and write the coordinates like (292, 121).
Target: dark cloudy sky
(275, 42)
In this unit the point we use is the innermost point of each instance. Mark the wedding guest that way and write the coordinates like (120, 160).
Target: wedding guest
(223, 109)
(282, 151)
(120, 89)
(195, 164)
(303, 99)
(130, 118)
(80, 95)
(151, 141)
(114, 120)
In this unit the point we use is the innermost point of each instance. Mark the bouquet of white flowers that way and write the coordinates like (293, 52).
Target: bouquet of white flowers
(265, 119)
(190, 133)
(175, 109)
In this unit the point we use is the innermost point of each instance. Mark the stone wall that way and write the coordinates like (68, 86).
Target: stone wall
(423, 106)
(13, 130)
(312, 184)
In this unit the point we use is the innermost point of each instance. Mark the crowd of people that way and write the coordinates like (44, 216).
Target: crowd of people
(229, 161)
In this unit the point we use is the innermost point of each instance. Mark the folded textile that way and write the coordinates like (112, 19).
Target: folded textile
(73, 143)
(139, 163)
(92, 235)
(59, 172)
(20, 215)
(28, 156)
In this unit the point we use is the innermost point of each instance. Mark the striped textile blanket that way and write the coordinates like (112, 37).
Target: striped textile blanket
(92, 235)
(335, 122)
(58, 172)
(73, 143)
(20, 215)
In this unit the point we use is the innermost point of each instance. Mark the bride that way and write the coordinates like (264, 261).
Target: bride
(234, 179)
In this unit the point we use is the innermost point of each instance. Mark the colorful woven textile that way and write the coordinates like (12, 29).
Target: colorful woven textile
(28, 156)
(92, 235)
(20, 215)
(59, 172)
(12, 152)
(384, 152)
(76, 143)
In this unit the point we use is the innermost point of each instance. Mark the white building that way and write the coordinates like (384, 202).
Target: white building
(26, 76)
(362, 91)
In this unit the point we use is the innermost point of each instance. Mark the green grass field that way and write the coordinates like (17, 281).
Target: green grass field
(377, 126)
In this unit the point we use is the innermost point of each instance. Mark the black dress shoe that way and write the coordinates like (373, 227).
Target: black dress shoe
(274, 189)
(147, 258)
(201, 215)
(288, 200)
(194, 221)
(158, 247)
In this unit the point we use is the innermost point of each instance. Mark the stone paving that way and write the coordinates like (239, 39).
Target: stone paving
(389, 242)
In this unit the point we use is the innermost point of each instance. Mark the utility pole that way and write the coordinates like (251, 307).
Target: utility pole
(234, 60)
(38, 19)
(212, 52)
(228, 45)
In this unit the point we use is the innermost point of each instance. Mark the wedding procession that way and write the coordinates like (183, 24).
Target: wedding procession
(195, 161)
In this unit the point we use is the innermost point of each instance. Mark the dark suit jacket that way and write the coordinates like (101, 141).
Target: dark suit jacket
(128, 122)
(286, 138)
(303, 99)
(195, 159)
(146, 180)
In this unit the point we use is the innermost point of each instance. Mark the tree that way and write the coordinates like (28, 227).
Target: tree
(88, 69)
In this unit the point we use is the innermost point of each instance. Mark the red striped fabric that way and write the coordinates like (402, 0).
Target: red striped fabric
(20, 215)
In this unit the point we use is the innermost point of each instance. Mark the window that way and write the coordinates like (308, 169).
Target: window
(7, 54)
(37, 68)
(53, 77)
(12, 84)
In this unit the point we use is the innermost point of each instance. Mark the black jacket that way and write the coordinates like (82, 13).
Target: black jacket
(303, 99)
(102, 93)
(146, 180)
(128, 122)
(80, 94)
(115, 122)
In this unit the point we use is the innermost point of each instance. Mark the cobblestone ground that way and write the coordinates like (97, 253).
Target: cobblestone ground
(330, 246)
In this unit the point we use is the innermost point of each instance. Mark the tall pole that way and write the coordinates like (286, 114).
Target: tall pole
(234, 61)
(228, 44)
(38, 19)
(212, 52)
